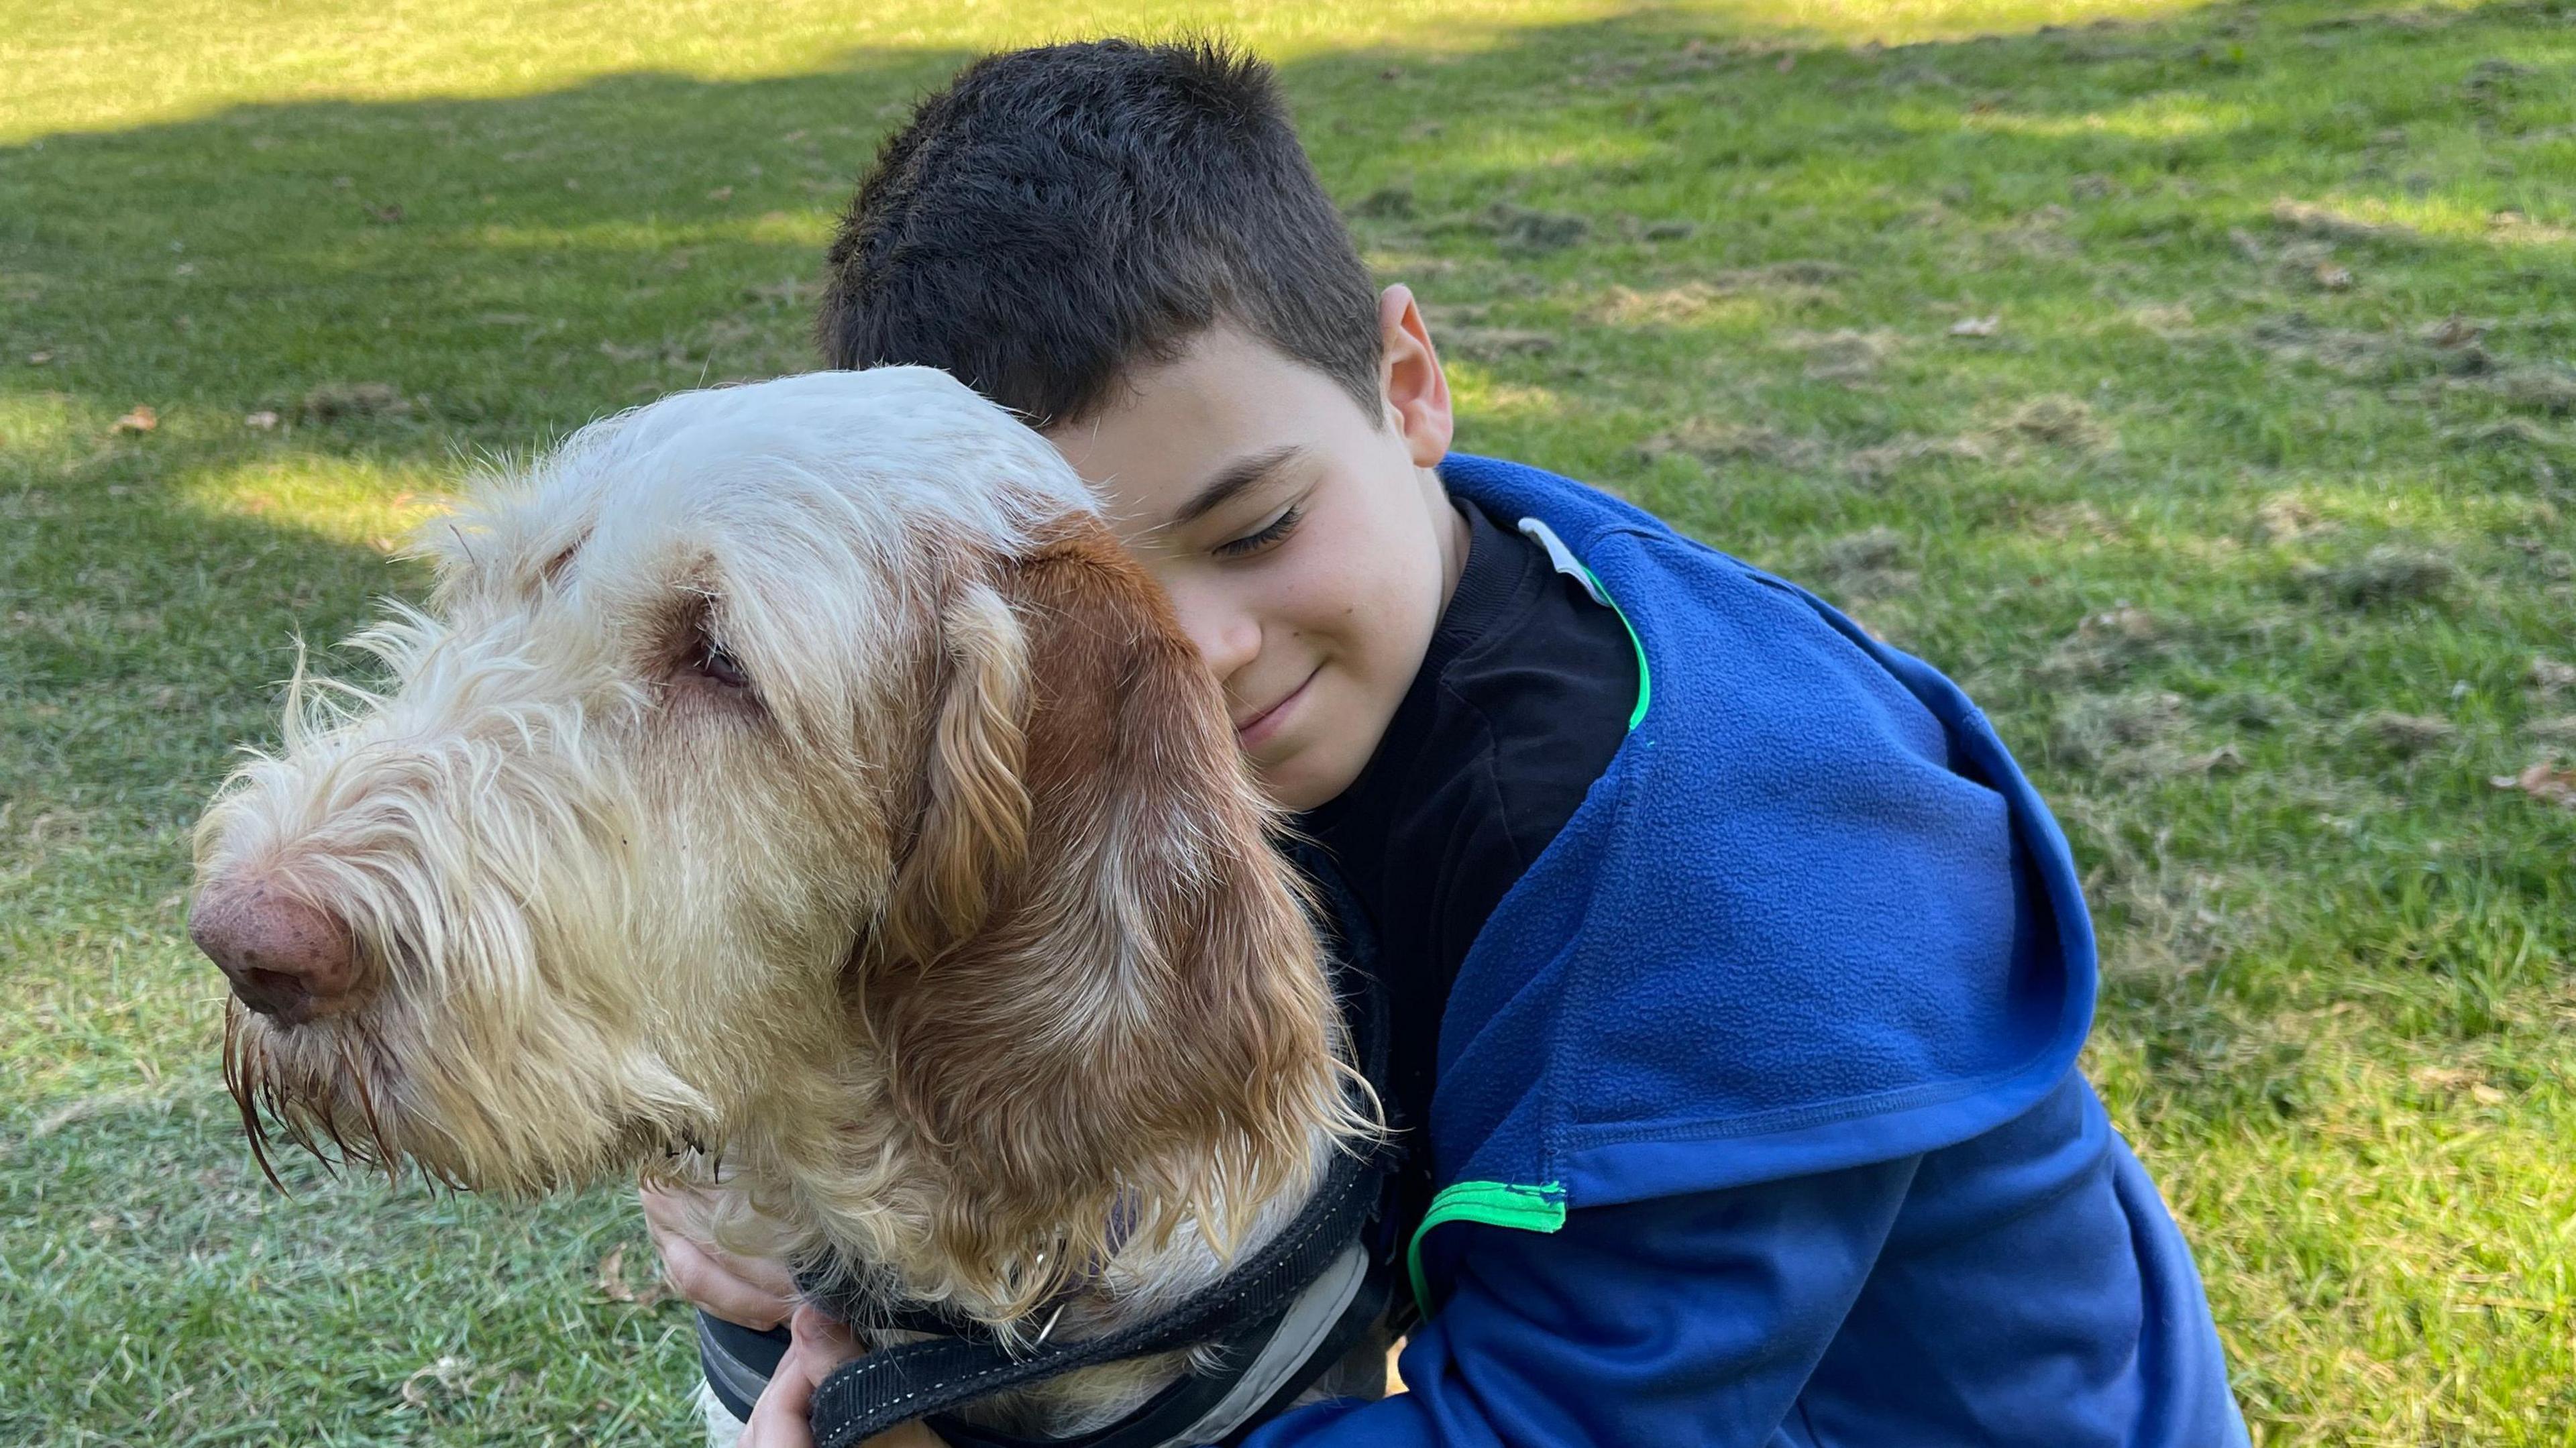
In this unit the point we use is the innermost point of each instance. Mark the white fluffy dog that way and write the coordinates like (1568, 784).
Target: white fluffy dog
(797, 774)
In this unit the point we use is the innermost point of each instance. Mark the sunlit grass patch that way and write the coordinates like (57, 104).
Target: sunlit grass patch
(367, 504)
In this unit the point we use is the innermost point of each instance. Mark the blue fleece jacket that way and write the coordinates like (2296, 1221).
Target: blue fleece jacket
(1757, 1120)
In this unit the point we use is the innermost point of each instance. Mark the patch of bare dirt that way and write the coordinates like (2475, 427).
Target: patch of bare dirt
(1662, 307)
(2405, 735)
(2310, 219)
(333, 401)
(2388, 574)
(2061, 420)
(1488, 344)
(1724, 442)
(2105, 646)
(1871, 464)
(2099, 731)
(1865, 565)
(2286, 518)
(1525, 231)
(1847, 356)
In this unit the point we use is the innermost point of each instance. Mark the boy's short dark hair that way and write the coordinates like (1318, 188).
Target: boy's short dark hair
(1061, 213)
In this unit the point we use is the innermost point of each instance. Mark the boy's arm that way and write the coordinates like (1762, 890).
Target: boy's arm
(1694, 1319)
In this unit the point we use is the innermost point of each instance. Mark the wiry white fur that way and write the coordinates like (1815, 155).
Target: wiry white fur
(606, 928)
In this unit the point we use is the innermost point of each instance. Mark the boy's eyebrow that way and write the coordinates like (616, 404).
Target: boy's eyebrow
(1232, 480)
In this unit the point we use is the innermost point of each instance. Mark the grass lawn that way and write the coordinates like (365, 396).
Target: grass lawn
(2196, 383)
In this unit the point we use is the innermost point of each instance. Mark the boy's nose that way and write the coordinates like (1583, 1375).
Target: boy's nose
(285, 959)
(1226, 642)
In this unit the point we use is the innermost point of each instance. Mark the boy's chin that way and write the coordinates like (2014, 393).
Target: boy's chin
(1306, 777)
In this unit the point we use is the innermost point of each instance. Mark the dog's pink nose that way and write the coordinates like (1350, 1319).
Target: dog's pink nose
(285, 958)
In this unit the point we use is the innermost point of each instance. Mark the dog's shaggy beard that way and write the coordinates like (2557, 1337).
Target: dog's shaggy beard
(475, 843)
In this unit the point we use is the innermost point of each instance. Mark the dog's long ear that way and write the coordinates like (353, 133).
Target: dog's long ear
(975, 817)
(1123, 1026)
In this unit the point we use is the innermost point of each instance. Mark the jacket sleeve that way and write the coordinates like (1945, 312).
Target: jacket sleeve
(1691, 1319)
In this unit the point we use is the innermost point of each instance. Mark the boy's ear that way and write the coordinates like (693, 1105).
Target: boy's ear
(1410, 377)
(1104, 1004)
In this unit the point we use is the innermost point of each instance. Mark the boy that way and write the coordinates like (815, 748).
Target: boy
(1738, 973)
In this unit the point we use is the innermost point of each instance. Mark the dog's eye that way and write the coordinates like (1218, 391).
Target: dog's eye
(717, 664)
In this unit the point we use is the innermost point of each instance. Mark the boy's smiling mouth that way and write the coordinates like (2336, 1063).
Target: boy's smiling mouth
(1249, 733)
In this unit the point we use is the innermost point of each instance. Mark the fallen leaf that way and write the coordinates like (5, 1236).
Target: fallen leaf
(141, 419)
(445, 1375)
(2543, 782)
(721, 193)
(1787, 64)
(384, 215)
(2334, 278)
(1976, 326)
(612, 1282)
(262, 419)
(612, 1275)
(39, 359)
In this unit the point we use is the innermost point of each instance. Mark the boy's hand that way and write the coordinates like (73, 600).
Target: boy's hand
(752, 1291)
(780, 1418)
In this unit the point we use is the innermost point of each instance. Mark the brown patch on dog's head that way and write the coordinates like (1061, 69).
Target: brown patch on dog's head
(1095, 987)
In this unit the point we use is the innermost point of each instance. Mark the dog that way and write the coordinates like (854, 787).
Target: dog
(797, 776)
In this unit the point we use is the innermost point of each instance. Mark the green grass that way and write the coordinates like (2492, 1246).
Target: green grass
(2217, 496)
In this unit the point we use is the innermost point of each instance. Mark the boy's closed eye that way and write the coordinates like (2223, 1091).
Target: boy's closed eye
(1246, 507)
(1269, 534)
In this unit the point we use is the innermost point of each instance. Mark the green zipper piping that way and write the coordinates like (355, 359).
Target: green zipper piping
(1494, 1204)
(1645, 680)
